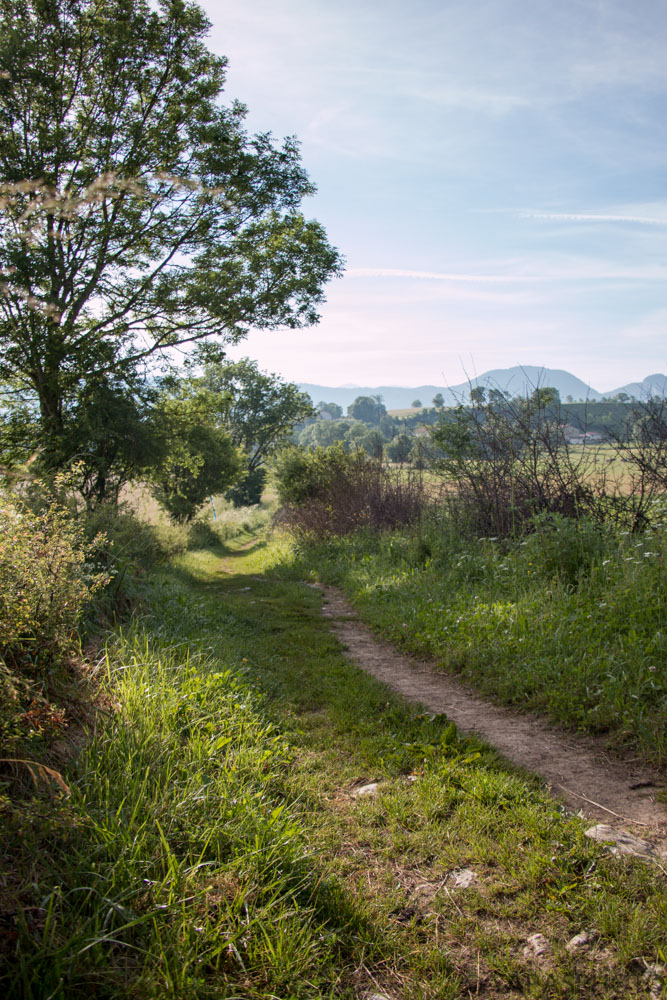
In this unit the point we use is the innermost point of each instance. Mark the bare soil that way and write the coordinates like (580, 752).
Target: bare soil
(577, 768)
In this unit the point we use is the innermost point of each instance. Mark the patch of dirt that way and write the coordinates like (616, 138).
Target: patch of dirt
(576, 768)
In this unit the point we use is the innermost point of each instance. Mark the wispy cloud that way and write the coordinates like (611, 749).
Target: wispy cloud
(575, 269)
(398, 272)
(642, 220)
(471, 99)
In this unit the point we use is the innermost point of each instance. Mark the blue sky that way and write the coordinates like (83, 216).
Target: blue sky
(494, 171)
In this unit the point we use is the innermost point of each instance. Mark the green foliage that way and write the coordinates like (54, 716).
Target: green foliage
(136, 211)
(507, 460)
(303, 475)
(568, 620)
(566, 548)
(46, 580)
(373, 442)
(369, 409)
(176, 847)
(18, 431)
(323, 433)
(258, 410)
(333, 409)
(132, 546)
(200, 458)
(248, 491)
(110, 434)
(211, 845)
(608, 417)
(398, 450)
(423, 453)
(330, 491)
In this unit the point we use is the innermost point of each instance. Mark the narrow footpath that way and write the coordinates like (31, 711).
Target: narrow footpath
(618, 793)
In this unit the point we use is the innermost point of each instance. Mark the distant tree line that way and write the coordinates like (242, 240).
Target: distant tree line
(408, 437)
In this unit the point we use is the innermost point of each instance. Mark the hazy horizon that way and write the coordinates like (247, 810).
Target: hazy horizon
(479, 375)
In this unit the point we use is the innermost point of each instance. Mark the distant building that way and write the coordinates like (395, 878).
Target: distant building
(574, 435)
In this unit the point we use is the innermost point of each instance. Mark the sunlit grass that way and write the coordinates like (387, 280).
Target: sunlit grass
(568, 620)
(212, 846)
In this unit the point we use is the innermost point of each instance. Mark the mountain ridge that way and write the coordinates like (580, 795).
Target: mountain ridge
(518, 380)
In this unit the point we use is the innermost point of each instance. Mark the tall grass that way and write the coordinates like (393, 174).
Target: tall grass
(211, 846)
(175, 868)
(570, 620)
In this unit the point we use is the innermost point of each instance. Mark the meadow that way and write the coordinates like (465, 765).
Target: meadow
(569, 620)
(211, 842)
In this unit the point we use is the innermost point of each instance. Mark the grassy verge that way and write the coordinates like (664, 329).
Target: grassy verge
(566, 621)
(212, 845)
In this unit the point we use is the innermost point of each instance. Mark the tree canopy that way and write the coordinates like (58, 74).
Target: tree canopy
(333, 409)
(370, 409)
(200, 457)
(136, 212)
(260, 410)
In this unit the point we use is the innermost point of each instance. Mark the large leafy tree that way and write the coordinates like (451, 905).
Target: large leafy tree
(136, 213)
(260, 412)
(370, 409)
(196, 455)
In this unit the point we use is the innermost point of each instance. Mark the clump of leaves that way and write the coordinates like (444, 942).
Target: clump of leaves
(47, 577)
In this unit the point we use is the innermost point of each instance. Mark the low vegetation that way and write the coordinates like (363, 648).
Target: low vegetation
(182, 738)
(212, 845)
(568, 620)
(179, 805)
(329, 491)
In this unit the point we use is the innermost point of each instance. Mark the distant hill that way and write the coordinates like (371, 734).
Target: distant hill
(652, 385)
(523, 379)
(520, 380)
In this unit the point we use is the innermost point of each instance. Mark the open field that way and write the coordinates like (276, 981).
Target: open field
(408, 411)
(214, 845)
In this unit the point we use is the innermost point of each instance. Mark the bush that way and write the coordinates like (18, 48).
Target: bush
(304, 475)
(331, 492)
(508, 460)
(248, 491)
(46, 580)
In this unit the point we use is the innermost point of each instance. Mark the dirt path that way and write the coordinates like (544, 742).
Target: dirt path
(577, 769)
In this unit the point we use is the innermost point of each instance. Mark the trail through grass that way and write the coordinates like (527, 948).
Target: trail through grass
(214, 846)
(569, 621)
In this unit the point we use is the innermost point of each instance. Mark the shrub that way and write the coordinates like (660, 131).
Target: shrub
(331, 492)
(643, 447)
(305, 475)
(46, 580)
(508, 460)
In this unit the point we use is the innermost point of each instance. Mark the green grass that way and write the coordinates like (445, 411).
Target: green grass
(212, 847)
(567, 621)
